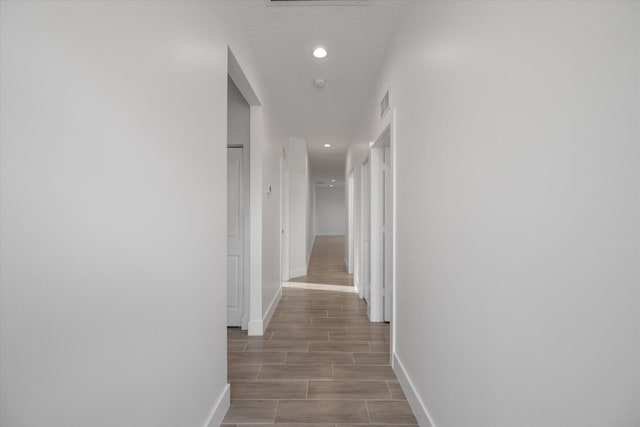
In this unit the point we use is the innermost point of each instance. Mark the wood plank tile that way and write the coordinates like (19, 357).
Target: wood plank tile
(332, 411)
(380, 346)
(353, 336)
(339, 346)
(291, 425)
(338, 390)
(242, 372)
(295, 372)
(362, 372)
(293, 334)
(396, 390)
(251, 411)
(343, 321)
(277, 345)
(276, 324)
(242, 390)
(348, 312)
(235, 334)
(390, 412)
(297, 316)
(256, 358)
(236, 345)
(370, 425)
(372, 359)
(319, 358)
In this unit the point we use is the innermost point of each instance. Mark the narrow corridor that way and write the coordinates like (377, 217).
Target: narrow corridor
(321, 363)
(327, 263)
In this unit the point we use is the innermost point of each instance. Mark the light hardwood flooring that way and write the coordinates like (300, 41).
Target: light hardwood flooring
(327, 263)
(321, 363)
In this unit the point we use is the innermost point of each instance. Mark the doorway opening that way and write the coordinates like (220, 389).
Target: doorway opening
(242, 263)
(238, 126)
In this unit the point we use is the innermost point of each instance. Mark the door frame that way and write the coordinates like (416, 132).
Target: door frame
(350, 221)
(285, 269)
(385, 138)
(365, 232)
(252, 320)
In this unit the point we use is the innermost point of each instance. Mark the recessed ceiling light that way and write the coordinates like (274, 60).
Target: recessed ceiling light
(320, 52)
(327, 145)
(330, 185)
(333, 180)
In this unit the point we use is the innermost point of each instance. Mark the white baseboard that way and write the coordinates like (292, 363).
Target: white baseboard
(220, 408)
(298, 271)
(254, 328)
(258, 327)
(416, 403)
(336, 233)
(272, 308)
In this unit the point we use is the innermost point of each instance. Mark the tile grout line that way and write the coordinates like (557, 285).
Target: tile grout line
(368, 413)
(389, 388)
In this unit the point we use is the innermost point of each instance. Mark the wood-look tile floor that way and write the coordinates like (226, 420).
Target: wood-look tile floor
(321, 363)
(326, 263)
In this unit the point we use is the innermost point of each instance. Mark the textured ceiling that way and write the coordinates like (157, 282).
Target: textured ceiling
(356, 38)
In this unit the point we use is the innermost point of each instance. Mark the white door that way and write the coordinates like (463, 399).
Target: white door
(387, 227)
(235, 238)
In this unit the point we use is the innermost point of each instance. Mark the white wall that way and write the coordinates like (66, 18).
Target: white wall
(518, 198)
(330, 211)
(298, 161)
(274, 140)
(113, 171)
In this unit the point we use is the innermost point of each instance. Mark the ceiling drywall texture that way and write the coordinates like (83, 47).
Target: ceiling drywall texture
(356, 38)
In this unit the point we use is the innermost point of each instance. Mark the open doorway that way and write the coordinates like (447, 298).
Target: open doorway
(238, 127)
(350, 222)
(365, 232)
(243, 264)
(382, 227)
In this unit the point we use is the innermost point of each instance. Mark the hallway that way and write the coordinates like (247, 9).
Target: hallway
(320, 363)
(327, 264)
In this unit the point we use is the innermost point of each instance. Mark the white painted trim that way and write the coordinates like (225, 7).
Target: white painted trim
(417, 405)
(298, 271)
(272, 308)
(376, 239)
(254, 328)
(338, 233)
(220, 408)
(254, 325)
(240, 79)
(320, 287)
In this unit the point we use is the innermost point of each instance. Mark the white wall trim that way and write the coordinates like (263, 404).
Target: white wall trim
(258, 327)
(417, 405)
(272, 308)
(220, 408)
(338, 233)
(298, 271)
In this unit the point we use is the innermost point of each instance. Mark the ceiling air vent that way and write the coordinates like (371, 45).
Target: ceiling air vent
(318, 2)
